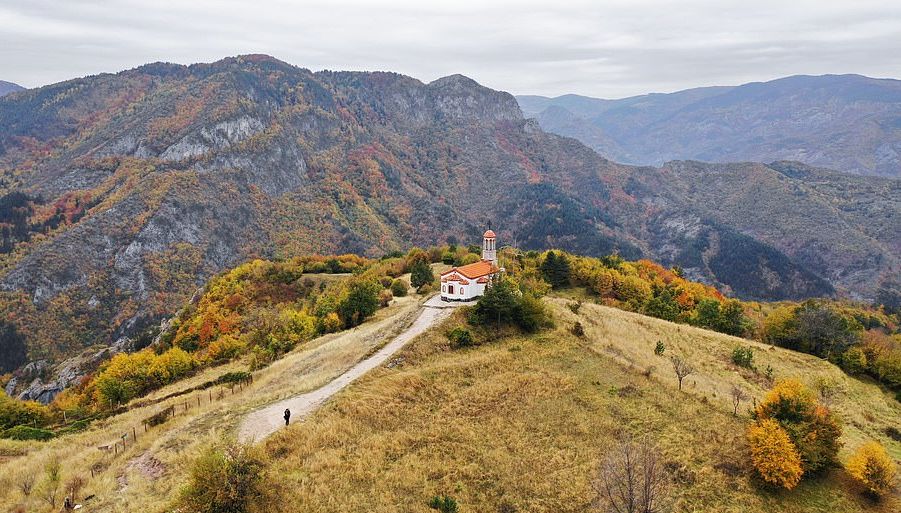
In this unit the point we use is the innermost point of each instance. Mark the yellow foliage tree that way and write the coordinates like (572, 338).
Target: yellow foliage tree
(872, 467)
(813, 429)
(773, 454)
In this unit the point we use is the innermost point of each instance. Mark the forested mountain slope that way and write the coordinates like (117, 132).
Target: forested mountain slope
(124, 192)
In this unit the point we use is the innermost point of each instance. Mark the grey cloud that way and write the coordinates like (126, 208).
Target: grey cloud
(598, 48)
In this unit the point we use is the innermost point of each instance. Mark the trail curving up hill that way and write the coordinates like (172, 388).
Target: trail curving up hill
(261, 423)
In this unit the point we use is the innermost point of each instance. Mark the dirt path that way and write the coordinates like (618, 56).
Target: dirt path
(265, 421)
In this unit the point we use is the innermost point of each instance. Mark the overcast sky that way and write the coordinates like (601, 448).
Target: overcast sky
(550, 47)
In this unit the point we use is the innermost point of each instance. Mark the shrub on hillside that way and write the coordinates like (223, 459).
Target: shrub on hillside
(27, 433)
(873, 468)
(445, 504)
(774, 456)
(743, 357)
(503, 303)
(399, 288)
(330, 323)
(229, 479)
(578, 330)
(460, 337)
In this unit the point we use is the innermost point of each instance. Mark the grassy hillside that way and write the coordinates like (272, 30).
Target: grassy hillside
(519, 421)
(525, 420)
(148, 473)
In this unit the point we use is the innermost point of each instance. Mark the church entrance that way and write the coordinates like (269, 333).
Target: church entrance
(450, 289)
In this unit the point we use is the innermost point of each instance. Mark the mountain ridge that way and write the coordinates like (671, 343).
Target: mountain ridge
(844, 122)
(9, 87)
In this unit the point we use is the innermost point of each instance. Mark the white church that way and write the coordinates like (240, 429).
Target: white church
(468, 282)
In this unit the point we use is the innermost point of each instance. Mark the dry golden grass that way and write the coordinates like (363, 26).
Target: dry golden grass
(127, 482)
(527, 419)
(865, 408)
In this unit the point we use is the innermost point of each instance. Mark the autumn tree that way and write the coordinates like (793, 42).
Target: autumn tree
(812, 428)
(873, 468)
(773, 454)
(360, 302)
(663, 305)
(682, 368)
(632, 479)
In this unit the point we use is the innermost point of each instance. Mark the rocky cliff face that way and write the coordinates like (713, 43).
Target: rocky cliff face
(138, 186)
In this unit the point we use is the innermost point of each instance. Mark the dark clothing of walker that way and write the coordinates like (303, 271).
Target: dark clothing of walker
(287, 416)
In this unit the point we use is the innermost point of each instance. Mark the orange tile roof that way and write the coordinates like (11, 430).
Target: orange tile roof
(476, 270)
(489, 234)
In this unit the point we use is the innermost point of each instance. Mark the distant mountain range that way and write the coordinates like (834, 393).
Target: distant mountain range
(121, 193)
(849, 123)
(9, 87)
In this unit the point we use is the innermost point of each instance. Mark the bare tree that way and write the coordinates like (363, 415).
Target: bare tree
(74, 486)
(738, 396)
(632, 480)
(26, 483)
(682, 368)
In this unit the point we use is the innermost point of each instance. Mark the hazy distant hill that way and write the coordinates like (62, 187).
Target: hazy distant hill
(124, 192)
(849, 123)
(9, 87)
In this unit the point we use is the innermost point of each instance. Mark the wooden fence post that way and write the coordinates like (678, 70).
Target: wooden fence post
(134, 433)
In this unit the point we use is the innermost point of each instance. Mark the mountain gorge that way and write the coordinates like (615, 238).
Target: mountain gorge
(124, 192)
(849, 123)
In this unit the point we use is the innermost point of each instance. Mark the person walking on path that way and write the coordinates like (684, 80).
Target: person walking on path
(287, 416)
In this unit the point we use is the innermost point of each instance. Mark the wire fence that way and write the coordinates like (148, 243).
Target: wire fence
(179, 407)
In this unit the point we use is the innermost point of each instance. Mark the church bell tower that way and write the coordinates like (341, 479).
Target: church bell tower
(489, 250)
